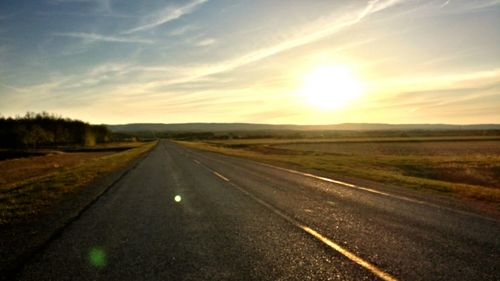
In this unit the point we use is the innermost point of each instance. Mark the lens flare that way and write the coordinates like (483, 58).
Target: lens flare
(97, 257)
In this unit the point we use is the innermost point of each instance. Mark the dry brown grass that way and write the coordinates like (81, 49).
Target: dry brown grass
(15, 171)
(469, 175)
(462, 148)
(44, 185)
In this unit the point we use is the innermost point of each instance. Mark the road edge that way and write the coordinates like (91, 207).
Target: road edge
(442, 200)
(34, 237)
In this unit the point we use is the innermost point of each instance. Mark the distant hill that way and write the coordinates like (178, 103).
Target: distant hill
(228, 127)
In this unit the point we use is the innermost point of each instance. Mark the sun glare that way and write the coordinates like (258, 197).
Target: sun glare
(331, 87)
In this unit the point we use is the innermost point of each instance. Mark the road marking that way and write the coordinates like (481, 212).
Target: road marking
(346, 253)
(196, 161)
(220, 176)
(375, 270)
(402, 198)
(339, 182)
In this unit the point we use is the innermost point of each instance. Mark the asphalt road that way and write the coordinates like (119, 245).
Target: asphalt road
(183, 214)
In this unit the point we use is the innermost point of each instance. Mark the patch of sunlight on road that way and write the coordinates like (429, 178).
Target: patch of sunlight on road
(97, 257)
(177, 198)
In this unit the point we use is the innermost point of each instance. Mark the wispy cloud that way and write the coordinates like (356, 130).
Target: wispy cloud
(101, 5)
(445, 4)
(182, 30)
(468, 6)
(483, 4)
(93, 37)
(434, 82)
(152, 80)
(310, 33)
(436, 102)
(205, 42)
(16, 89)
(167, 15)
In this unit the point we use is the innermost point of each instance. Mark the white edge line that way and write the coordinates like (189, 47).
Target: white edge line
(402, 198)
(351, 256)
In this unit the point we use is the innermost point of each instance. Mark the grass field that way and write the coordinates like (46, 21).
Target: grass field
(402, 148)
(461, 166)
(28, 186)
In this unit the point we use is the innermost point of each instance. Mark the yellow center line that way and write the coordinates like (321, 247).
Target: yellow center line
(371, 190)
(375, 270)
(220, 176)
(348, 254)
(196, 161)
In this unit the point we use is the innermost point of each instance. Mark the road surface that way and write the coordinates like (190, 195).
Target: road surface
(183, 214)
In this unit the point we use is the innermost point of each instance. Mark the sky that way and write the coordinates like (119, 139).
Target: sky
(128, 61)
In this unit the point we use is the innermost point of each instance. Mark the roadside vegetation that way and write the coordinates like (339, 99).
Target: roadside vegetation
(30, 186)
(44, 157)
(214, 133)
(43, 129)
(463, 166)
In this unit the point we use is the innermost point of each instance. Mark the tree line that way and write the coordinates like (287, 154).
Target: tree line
(44, 129)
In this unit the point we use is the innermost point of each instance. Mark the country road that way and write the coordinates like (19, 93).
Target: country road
(184, 214)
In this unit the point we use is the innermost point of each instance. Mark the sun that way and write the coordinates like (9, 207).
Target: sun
(331, 87)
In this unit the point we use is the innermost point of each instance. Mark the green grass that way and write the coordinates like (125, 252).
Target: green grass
(446, 174)
(33, 196)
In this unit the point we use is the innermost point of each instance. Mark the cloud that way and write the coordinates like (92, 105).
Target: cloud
(150, 79)
(452, 97)
(205, 42)
(433, 82)
(310, 33)
(458, 104)
(59, 83)
(445, 4)
(92, 37)
(11, 88)
(167, 15)
(138, 80)
(468, 6)
(101, 5)
(483, 4)
(432, 92)
(182, 30)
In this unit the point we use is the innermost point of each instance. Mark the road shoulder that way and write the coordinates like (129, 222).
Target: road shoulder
(20, 241)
